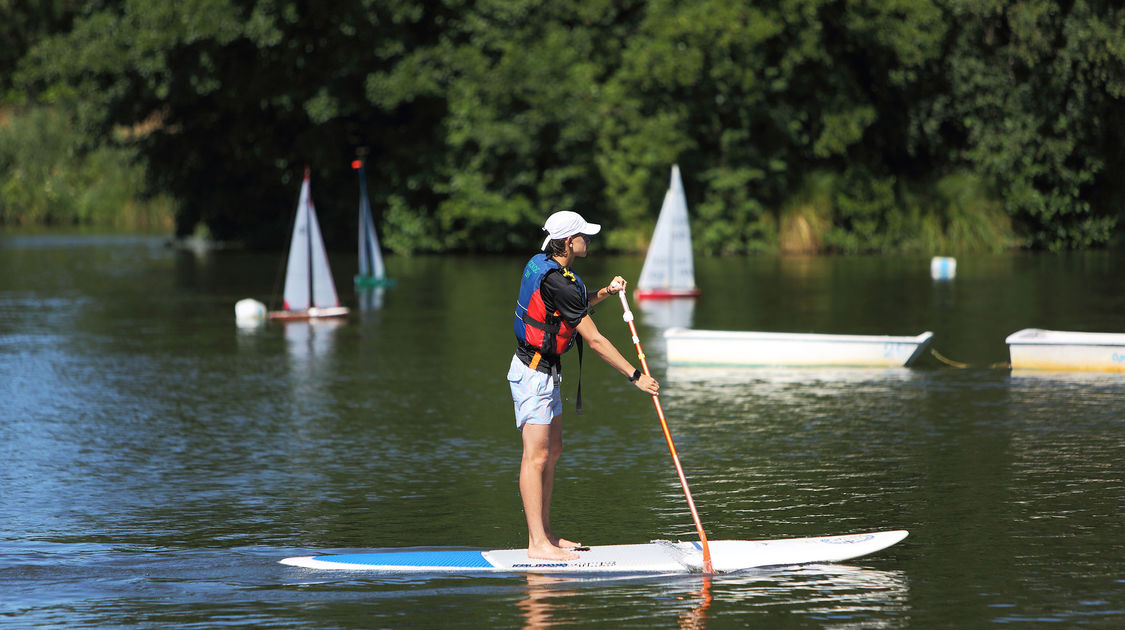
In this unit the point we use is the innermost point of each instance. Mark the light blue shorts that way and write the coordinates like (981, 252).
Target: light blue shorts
(537, 400)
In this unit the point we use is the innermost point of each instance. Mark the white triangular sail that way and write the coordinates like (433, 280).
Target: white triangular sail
(323, 288)
(297, 295)
(308, 278)
(370, 255)
(668, 265)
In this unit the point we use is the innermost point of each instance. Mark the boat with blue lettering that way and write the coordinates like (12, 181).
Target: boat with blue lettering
(1060, 350)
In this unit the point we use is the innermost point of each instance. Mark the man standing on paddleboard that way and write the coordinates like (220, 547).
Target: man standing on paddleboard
(552, 313)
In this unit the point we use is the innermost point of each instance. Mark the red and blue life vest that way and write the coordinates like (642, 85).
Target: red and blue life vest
(546, 332)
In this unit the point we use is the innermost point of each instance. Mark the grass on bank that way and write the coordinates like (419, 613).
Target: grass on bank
(47, 179)
(957, 213)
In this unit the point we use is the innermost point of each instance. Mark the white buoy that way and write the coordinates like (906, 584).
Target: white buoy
(249, 313)
(943, 268)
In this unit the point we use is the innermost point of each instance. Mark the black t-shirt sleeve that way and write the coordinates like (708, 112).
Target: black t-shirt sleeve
(564, 296)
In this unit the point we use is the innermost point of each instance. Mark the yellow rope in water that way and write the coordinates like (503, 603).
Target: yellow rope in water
(947, 361)
(957, 364)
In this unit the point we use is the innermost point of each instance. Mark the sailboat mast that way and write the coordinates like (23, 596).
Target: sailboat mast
(357, 165)
(308, 239)
(367, 255)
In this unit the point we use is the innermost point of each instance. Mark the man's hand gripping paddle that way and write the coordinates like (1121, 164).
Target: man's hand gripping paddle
(628, 317)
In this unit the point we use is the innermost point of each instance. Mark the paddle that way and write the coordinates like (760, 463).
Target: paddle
(628, 317)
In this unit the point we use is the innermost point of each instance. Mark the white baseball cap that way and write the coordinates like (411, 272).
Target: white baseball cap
(566, 223)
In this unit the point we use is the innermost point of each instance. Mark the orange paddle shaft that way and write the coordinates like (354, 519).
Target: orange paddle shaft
(628, 317)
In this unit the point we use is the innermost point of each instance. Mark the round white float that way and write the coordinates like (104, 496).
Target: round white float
(249, 312)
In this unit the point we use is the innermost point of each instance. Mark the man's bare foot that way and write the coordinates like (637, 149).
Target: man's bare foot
(564, 543)
(550, 552)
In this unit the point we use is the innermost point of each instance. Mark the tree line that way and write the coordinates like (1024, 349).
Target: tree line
(799, 125)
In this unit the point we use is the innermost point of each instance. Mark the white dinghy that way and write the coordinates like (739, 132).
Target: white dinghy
(1059, 350)
(760, 349)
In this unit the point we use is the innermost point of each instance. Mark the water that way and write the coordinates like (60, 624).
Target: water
(158, 461)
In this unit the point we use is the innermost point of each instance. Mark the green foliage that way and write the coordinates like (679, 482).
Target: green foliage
(972, 216)
(1034, 103)
(520, 111)
(407, 229)
(22, 23)
(861, 213)
(733, 221)
(847, 125)
(235, 100)
(866, 216)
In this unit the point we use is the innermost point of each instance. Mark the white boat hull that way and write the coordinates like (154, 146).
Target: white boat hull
(1036, 349)
(754, 349)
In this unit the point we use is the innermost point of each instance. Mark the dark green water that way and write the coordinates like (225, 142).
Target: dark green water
(157, 461)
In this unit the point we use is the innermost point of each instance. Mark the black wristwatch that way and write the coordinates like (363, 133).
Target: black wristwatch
(635, 376)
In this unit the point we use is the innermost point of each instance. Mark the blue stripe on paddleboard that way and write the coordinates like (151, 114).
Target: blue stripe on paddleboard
(466, 559)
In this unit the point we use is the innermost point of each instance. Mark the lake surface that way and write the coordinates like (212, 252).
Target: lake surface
(157, 461)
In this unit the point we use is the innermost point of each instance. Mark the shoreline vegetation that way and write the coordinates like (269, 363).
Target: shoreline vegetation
(799, 127)
(50, 182)
(47, 179)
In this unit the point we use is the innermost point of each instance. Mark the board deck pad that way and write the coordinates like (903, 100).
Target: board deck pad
(655, 557)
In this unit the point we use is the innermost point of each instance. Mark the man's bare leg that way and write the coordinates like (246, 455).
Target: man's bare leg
(549, 484)
(536, 492)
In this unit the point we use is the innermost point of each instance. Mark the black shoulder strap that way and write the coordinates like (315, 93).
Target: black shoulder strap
(578, 401)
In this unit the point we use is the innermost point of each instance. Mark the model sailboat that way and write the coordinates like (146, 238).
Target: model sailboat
(668, 271)
(309, 290)
(372, 272)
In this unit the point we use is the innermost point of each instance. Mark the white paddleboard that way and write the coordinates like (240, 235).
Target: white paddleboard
(654, 557)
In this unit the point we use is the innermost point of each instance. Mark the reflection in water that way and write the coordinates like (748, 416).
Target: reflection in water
(536, 608)
(839, 596)
(1073, 381)
(309, 344)
(249, 337)
(695, 617)
(370, 299)
(547, 592)
(848, 596)
(663, 314)
(711, 383)
(660, 315)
